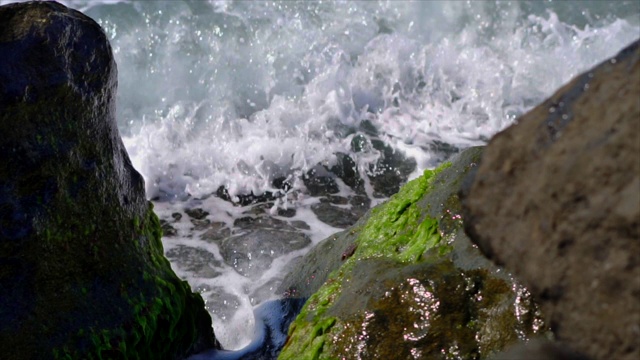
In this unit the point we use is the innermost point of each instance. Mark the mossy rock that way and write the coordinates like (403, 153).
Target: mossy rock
(406, 283)
(82, 270)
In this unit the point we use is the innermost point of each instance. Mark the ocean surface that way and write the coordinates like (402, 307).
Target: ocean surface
(247, 117)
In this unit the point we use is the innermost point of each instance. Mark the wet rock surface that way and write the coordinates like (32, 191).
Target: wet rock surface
(198, 261)
(556, 199)
(341, 212)
(251, 254)
(390, 171)
(540, 349)
(258, 242)
(406, 282)
(82, 270)
(395, 311)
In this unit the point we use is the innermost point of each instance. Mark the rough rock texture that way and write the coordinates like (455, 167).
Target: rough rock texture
(82, 274)
(406, 283)
(556, 199)
(539, 349)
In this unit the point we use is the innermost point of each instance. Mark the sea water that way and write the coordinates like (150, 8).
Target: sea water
(235, 95)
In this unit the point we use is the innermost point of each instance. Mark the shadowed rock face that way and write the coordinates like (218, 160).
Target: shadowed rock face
(82, 273)
(556, 199)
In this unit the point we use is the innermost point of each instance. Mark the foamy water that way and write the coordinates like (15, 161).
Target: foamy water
(240, 93)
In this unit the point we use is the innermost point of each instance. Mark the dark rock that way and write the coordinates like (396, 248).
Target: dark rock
(334, 216)
(199, 262)
(341, 212)
(286, 212)
(82, 270)
(390, 171)
(197, 214)
(334, 199)
(442, 151)
(539, 349)
(556, 199)
(259, 209)
(282, 183)
(167, 229)
(299, 224)
(246, 199)
(200, 224)
(347, 170)
(387, 174)
(263, 239)
(306, 276)
(405, 282)
(319, 181)
(368, 128)
(216, 231)
(258, 222)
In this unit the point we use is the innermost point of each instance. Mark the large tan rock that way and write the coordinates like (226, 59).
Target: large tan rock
(556, 200)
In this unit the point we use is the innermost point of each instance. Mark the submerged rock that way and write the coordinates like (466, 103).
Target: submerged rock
(405, 282)
(82, 271)
(259, 241)
(196, 261)
(556, 199)
(252, 253)
(341, 212)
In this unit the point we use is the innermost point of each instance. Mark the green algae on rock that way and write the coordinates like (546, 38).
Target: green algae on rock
(405, 282)
(82, 269)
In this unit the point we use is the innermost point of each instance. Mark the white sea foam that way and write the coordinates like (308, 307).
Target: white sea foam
(266, 90)
(239, 93)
